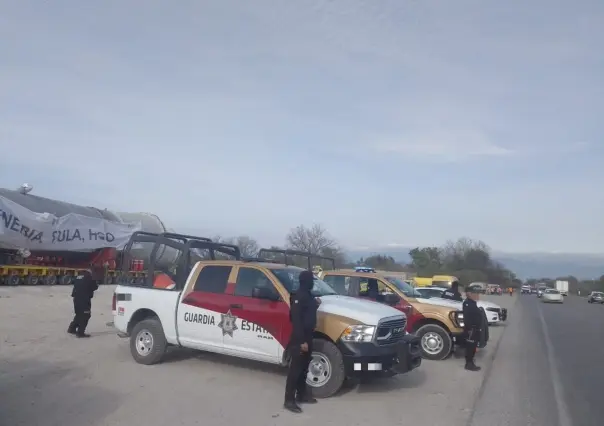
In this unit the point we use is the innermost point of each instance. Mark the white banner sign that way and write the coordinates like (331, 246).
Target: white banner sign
(25, 229)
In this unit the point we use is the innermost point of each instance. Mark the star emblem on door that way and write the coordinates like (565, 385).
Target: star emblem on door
(227, 323)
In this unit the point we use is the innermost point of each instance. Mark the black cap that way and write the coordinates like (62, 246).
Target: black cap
(473, 289)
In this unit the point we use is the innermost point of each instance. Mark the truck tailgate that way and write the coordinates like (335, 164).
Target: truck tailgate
(131, 304)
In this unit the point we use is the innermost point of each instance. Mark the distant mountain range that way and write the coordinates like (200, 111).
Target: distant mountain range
(524, 265)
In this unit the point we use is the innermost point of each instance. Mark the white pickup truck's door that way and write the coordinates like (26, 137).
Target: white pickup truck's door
(259, 334)
(202, 315)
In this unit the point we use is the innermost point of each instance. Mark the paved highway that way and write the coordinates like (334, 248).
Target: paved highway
(548, 369)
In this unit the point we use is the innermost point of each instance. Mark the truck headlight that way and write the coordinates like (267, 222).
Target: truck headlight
(457, 318)
(358, 333)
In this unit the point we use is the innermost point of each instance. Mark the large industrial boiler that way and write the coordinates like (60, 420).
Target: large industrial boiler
(32, 266)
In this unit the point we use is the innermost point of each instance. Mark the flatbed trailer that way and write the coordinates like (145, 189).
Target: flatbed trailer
(15, 275)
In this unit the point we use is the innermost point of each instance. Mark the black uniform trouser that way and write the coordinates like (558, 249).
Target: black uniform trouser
(471, 344)
(82, 315)
(295, 385)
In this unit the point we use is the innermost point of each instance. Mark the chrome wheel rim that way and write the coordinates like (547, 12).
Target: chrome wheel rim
(319, 370)
(432, 343)
(144, 342)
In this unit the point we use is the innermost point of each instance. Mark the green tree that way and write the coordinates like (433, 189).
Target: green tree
(426, 261)
(469, 260)
(383, 262)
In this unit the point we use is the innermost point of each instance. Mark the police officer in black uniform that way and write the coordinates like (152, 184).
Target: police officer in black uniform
(473, 323)
(84, 286)
(303, 316)
(453, 292)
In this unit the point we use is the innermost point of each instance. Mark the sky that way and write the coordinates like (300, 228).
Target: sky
(387, 122)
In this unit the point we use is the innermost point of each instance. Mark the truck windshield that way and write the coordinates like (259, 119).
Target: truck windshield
(406, 288)
(290, 279)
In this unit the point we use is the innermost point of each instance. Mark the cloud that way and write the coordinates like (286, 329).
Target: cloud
(222, 115)
(444, 145)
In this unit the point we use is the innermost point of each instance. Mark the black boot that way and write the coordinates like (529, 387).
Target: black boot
(292, 406)
(470, 366)
(72, 329)
(306, 399)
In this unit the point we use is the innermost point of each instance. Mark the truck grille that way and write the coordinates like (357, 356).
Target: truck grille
(390, 331)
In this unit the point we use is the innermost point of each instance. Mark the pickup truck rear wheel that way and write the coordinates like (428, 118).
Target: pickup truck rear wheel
(326, 372)
(148, 342)
(436, 343)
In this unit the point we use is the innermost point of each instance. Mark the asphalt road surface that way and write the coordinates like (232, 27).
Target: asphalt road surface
(549, 368)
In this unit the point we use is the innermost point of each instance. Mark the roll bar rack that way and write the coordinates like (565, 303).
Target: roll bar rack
(184, 242)
(288, 253)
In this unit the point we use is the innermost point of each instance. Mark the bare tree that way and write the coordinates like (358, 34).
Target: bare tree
(313, 240)
(248, 246)
(464, 245)
(222, 240)
(337, 254)
(456, 253)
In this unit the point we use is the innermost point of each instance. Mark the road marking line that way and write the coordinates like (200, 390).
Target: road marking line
(563, 415)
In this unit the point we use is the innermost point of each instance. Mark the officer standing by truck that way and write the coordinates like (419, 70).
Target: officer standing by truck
(303, 316)
(473, 323)
(84, 286)
(453, 292)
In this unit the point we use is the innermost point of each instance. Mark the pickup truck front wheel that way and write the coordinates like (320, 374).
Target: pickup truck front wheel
(148, 342)
(326, 372)
(436, 343)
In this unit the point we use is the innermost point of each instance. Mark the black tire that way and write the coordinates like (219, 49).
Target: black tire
(158, 346)
(50, 280)
(425, 331)
(66, 280)
(33, 280)
(325, 349)
(14, 280)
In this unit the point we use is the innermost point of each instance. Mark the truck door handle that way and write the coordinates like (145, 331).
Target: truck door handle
(236, 306)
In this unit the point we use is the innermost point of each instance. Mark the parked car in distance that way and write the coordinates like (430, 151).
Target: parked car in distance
(525, 289)
(551, 295)
(595, 297)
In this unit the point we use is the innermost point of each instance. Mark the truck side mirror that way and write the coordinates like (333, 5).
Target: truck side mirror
(265, 293)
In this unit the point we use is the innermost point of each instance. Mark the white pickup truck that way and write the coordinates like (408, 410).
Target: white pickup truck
(240, 308)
